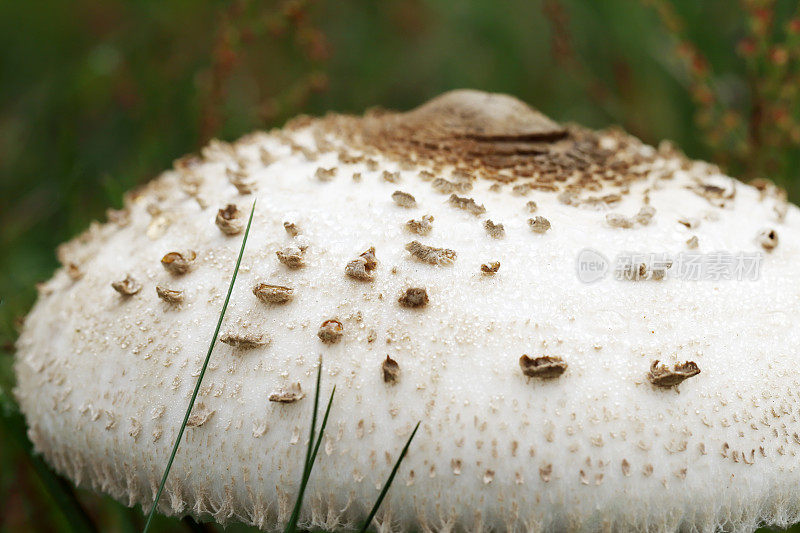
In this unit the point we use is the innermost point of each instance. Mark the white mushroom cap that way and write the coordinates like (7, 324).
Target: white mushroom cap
(584, 432)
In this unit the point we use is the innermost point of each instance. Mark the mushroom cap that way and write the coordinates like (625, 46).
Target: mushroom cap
(552, 396)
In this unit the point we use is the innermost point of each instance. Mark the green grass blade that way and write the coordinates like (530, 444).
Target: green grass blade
(57, 487)
(307, 465)
(200, 377)
(311, 455)
(321, 432)
(307, 473)
(382, 495)
(292, 523)
(313, 448)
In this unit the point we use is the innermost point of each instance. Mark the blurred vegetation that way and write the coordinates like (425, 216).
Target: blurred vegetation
(99, 96)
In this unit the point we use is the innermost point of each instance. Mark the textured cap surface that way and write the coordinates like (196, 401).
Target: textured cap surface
(649, 401)
(479, 115)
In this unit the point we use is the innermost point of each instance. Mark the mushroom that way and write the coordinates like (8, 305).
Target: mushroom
(678, 409)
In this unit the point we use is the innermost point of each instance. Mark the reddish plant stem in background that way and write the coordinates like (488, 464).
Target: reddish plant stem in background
(223, 61)
(563, 50)
(237, 49)
(758, 136)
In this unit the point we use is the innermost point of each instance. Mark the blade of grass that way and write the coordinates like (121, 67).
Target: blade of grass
(319, 438)
(311, 454)
(292, 523)
(309, 450)
(307, 476)
(382, 495)
(152, 512)
(56, 487)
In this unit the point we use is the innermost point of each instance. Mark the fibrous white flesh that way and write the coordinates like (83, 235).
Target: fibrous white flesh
(104, 380)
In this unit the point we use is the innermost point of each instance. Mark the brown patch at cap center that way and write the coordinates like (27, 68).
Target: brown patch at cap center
(471, 114)
(497, 137)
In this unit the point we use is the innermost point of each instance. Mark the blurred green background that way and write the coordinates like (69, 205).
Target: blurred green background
(99, 96)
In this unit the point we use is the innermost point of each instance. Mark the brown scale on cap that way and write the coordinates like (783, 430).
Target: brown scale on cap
(73, 271)
(291, 229)
(120, 217)
(420, 226)
(241, 180)
(179, 263)
(229, 220)
(187, 163)
(521, 189)
(200, 415)
(287, 395)
(462, 174)
(431, 255)
(716, 195)
(414, 297)
(496, 231)
(190, 183)
(349, 159)
(325, 174)
(390, 370)
(665, 377)
(363, 266)
(291, 256)
(403, 199)
(645, 215)
(467, 204)
(448, 187)
(573, 198)
(539, 224)
(331, 331)
(407, 164)
(490, 268)
(265, 157)
(127, 286)
(544, 367)
(244, 341)
(273, 294)
(767, 189)
(391, 177)
(768, 239)
(169, 295)
(545, 471)
(615, 220)
(690, 223)
(308, 153)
